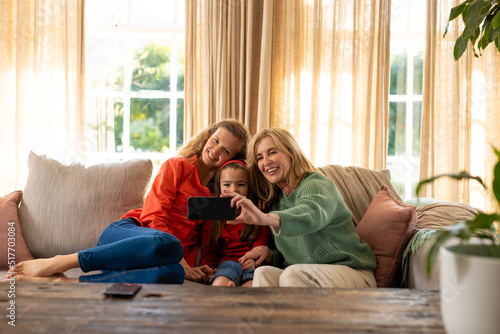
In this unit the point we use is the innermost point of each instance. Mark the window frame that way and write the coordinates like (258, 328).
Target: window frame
(129, 33)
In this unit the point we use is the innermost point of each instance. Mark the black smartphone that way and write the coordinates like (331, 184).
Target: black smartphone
(124, 290)
(210, 208)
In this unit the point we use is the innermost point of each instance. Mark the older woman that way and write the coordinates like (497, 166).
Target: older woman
(316, 242)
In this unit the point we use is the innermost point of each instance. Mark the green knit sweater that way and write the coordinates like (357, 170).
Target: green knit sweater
(317, 227)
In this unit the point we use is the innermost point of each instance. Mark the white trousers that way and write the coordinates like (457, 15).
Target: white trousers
(314, 275)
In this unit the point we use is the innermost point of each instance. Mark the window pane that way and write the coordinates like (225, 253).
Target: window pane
(417, 115)
(118, 125)
(151, 65)
(109, 13)
(399, 16)
(153, 13)
(181, 17)
(101, 124)
(180, 123)
(149, 124)
(417, 16)
(104, 63)
(180, 64)
(397, 126)
(418, 72)
(399, 61)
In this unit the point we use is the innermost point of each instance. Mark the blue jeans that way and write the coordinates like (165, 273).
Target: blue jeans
(129, 253)
(233, 271)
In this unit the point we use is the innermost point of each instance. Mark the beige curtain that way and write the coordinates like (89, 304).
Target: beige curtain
(461, 113)
(331, 78)
(228, 68)
(40, 84)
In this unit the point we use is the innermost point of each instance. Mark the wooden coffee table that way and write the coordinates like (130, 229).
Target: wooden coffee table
(195, 308)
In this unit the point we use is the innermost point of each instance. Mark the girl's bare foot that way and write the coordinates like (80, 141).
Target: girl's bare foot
(58, 278)
(45, 267)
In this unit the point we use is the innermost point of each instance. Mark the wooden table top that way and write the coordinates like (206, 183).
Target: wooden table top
(195, 308)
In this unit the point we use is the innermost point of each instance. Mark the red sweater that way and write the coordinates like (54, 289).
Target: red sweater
(165, 206)
(230, 246)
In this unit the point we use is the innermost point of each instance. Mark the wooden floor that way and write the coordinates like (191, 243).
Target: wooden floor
(194, 308)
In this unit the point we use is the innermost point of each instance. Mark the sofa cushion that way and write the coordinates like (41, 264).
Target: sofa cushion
(387, 227)
(11, 234)
(358, 186)
(66, 207)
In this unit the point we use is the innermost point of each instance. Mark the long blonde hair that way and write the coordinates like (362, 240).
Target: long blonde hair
(195, 145)
(248, 232)
(299, 169)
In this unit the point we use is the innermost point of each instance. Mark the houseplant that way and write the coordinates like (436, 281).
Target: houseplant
(469, 272)
(482, 25)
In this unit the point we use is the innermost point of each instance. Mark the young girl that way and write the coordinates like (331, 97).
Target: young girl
(225, 244)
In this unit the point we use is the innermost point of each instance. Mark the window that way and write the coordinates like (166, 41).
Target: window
(405, 96)
(134, 77)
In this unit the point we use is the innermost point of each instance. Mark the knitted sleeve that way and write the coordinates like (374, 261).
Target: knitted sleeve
(315, 203)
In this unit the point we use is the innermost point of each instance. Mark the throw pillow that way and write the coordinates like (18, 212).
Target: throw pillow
(387, 227)
(66, 208)
(14, 249)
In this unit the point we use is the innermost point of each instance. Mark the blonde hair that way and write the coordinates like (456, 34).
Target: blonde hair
(299, 169)
(248, 232)
(195, 145)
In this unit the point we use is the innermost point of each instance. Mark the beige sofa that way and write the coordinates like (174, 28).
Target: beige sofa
(64, 208)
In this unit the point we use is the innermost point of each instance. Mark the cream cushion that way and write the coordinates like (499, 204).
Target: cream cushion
(66, 207)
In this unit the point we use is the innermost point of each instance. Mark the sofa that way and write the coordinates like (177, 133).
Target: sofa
(64, 208)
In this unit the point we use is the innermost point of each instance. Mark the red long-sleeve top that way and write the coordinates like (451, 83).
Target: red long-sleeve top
(165, 206)
(231, 248)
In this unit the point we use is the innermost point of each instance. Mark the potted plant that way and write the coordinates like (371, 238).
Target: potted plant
(482, 25)
(469, 272)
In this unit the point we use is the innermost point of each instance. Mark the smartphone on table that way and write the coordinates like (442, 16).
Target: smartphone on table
(123, 290)
(210, 208)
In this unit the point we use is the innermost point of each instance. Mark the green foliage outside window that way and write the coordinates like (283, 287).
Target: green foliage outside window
(150, 117)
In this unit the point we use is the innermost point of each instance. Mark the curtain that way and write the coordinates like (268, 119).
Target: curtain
(460, 114)
(331, 66)
(40, 84)
(228, 67)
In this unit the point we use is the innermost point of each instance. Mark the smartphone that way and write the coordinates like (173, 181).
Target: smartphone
(210, 208)
(124, 290)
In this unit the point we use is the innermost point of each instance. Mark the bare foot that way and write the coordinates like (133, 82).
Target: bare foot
(58, 278)
(45, 267)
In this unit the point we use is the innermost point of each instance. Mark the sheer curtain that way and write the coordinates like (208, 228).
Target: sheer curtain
(461, 113)
(228, 67)
(331, 78)
(40, 84)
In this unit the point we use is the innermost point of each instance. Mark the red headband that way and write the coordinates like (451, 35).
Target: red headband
(233, 161)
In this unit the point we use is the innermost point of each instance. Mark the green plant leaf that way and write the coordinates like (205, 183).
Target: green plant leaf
(496, 173)
(497, 43)
(457, 176)
(454, 13)
(483, 221)
(473, 15)
(496, 20)
(494, 32)
(460, 46)
(438, 240)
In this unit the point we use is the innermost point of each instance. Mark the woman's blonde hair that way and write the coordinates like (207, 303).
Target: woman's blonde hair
(195, 145)
(299, 169)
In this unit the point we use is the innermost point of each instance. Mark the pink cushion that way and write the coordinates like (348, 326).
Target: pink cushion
(387, 226)
(14, 249)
